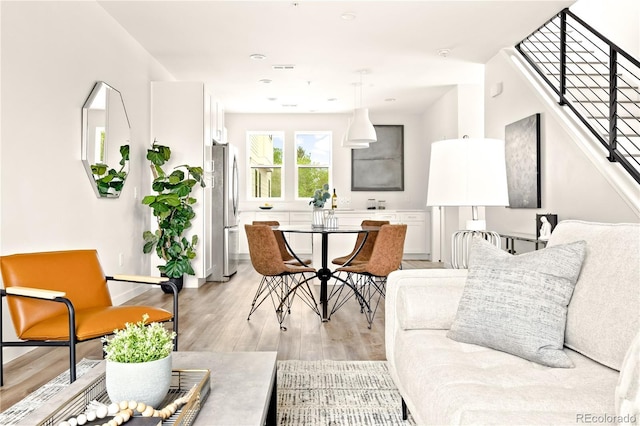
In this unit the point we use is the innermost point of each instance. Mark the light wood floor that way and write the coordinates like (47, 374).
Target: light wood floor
(214, 318)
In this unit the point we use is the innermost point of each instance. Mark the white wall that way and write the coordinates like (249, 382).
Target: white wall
(618, 20)
(415, 155)
(571, 185)
(52, 54)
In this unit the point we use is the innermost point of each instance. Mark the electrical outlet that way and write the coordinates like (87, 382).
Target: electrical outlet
(120, 259)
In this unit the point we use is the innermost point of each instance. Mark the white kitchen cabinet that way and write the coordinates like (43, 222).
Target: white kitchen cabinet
(416, 240)
(300, 243)
(342, 244)
(392, 217)
(181, 118)
(246, 218)
(280, 217)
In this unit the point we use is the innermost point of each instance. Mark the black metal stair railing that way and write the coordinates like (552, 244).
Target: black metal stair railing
(593, 77)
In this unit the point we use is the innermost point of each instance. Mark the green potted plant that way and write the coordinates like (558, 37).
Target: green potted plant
(110, 181)
(173, 209)
(320, 196)
(138, 363)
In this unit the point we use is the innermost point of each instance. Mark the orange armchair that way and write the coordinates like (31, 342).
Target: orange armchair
(61, 298)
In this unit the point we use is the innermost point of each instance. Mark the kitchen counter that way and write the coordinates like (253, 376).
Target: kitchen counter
(305, 210)
(417, 242)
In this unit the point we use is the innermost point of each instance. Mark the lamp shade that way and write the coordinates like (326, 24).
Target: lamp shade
(361, 129)
(352, 144)
(467, 172)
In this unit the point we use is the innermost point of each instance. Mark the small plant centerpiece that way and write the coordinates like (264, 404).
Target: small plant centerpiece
(320, 196)
(173, 209)
(139, 362)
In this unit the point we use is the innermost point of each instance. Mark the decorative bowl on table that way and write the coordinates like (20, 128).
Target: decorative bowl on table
(266, 206)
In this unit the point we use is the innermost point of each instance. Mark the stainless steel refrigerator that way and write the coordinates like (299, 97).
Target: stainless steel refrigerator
(225, 214)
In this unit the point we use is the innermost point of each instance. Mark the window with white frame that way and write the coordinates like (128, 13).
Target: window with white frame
(266, 164)
(313, 161)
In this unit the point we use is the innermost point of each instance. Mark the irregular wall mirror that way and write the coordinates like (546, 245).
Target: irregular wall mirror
(105, 140)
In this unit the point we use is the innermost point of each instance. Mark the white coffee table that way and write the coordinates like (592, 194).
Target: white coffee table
(243, 388)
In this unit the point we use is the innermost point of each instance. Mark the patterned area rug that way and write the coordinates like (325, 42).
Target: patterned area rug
(29, 404)
(331, 393)
(321, 393)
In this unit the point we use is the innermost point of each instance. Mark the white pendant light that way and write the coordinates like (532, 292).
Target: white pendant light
(346, 143)
(361, 129)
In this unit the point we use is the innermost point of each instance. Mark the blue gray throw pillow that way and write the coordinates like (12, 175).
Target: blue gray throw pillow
(518, 304)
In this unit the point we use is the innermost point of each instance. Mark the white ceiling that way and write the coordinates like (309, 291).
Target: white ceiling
(396, 41)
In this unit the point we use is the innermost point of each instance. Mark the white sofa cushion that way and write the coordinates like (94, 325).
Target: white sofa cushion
(518, 304)
(602, 318)
(447, 382)
(428, 307)
(628, 389)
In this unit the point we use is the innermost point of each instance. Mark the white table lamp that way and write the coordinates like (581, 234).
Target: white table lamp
(468, 172)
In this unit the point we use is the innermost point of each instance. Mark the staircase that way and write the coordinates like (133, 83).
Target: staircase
(594, 78)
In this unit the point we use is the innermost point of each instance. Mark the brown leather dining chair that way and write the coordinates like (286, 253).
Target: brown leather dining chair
(280, 281)
(61, 298)
(287, 257)
(365, 253)
(368, 280)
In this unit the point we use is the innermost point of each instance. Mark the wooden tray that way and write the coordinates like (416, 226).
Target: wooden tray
(182, 381)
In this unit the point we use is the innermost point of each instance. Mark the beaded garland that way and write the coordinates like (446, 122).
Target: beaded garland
(124, 411)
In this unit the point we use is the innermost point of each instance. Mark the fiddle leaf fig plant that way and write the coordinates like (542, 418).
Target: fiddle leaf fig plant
(172, 207)
(111, 181)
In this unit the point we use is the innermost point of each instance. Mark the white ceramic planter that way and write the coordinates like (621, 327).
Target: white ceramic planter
(318, 218)
(146, 382)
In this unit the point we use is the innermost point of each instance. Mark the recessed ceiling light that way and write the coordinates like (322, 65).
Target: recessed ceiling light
(264, 81)
(257, 56)
(272, 99)
(390, 100)
(444, 52)
(283, 67)
(348, 16)
(332, 99)
(289, 105)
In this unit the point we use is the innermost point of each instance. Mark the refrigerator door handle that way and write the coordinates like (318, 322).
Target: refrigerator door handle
(235, 186)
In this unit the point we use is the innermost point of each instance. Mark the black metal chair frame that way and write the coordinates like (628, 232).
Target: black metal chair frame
(282, 294)
(364, 288)
(73, 339)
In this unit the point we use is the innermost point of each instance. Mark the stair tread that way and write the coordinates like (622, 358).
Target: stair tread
(620, 102)
(588, 55)
(601, 87)
(577, 62)
(601, 117)
(585, 74)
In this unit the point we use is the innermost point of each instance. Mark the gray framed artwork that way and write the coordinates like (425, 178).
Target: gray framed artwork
(522, 156)
(381, 166)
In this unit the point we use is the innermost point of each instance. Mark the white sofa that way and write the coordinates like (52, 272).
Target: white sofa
(445, 382)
